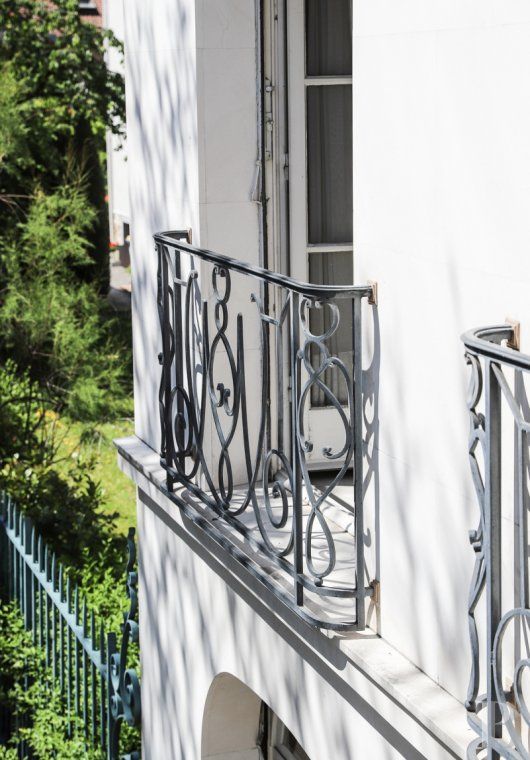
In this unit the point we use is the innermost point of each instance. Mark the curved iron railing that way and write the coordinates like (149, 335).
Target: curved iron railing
(496, 703)
(235, 392)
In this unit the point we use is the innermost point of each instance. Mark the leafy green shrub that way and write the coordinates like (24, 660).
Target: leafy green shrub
(35, 704)
(54, 324)
(57, 99)
(14, 155)
(61, 497)
(61, 62)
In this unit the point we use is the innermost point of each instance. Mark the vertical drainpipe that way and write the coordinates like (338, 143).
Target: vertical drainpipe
(258, 190)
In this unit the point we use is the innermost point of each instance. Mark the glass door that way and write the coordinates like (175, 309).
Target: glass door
(319, 55)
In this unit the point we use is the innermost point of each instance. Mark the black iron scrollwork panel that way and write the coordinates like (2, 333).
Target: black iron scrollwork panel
(498, 606)
(239, 368)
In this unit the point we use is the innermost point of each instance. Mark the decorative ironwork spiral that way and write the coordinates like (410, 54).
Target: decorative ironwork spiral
(514, 701)
(316, 378)
(476, 443)
(218, 401)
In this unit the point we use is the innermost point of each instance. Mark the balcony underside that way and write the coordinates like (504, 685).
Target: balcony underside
(329, 605)
(241, 539)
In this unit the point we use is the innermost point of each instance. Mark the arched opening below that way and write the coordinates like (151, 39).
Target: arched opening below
(238, 725)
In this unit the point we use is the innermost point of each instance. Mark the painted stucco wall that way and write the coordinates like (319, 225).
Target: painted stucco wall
(192, 150)
(198, 620)
(161, 93)
(442, 200)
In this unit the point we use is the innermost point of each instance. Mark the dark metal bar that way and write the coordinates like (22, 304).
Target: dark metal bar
(69, 658)
(485, 341)
(112, 734)
(93, 683)
(174, 240)
(493, 542)
(298, 545)
(102, 690)
(54, 623)
(166, 364)
(77, 684)
(358, 459)
(46, 609)
(61, 632)
(84, 664)
(40, 560)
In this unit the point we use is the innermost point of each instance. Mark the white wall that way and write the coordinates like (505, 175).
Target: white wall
(117, 166)
(441, 208)
(192, 146)
(441, 200)
(198, 620)
(161, 91)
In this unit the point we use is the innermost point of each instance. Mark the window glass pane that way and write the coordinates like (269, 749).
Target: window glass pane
(329, 164)
(332, 269)
(328, 37)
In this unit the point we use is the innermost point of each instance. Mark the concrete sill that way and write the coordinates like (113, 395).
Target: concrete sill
(390, 680)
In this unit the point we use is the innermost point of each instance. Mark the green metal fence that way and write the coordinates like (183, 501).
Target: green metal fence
(99, 691)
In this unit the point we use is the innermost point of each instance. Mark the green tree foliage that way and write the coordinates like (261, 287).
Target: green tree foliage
(57, 99)
(54, 323)
(58, 493)
(62, 352)
(14, 155)
(60, 62)
(35, 704)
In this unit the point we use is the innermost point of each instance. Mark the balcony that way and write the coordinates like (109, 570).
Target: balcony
(498, 613)
(261, 413)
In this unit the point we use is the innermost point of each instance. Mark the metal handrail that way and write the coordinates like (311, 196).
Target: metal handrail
(176, 239)
(276, 469)
(498, 714)
(486, 341)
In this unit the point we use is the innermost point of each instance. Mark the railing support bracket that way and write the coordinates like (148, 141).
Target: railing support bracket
(515, 341)
(372, 298)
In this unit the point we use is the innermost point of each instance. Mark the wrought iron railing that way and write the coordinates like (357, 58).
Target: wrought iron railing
(99, 691)
(240, 375)
(499, 614)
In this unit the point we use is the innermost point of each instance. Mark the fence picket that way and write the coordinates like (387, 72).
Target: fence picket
(93, 689)
(69, 657)
(76, 655)
(61, 631)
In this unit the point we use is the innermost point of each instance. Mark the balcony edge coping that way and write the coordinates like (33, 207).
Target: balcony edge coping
(440, 714)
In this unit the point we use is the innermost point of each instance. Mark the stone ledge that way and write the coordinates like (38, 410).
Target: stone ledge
(396, 678)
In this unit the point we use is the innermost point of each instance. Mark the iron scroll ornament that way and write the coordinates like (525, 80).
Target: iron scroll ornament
(476, 443)
(205, 400)
(227, 403)
(500, 657)
(124, 685)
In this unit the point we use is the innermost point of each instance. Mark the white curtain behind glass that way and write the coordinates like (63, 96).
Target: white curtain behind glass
(329, 171)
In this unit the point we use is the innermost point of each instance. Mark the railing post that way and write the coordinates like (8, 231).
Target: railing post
(178, 355)
(298, 547)
(112, 707)
(492, 544)
(167, 436)
(358, 459)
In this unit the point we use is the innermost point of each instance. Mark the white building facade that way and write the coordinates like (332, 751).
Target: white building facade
(385, 144)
